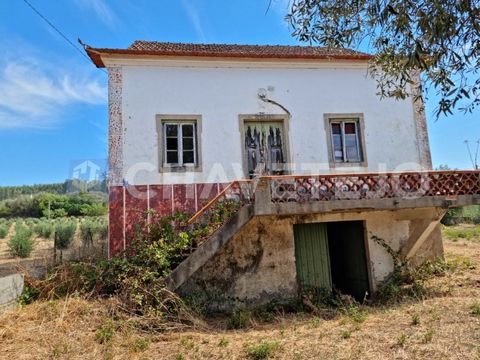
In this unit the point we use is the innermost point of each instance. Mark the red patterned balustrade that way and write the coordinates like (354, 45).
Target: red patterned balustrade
(308, 188)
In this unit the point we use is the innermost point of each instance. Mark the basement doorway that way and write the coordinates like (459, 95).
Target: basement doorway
(332, 256)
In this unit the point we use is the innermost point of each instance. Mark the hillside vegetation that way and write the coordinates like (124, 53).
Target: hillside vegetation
(68, 186)
(50, 205)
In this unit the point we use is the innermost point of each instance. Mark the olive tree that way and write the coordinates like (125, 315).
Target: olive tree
(439, 38)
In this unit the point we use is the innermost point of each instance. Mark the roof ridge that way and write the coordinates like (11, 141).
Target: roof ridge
(239, 44)
(251, 51)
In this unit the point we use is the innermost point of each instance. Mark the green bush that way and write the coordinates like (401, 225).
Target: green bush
(44, 229)
(240, 319)
(4, 230)
(262, 350)
(21, 244)
(64, 233)
(137, 276)
(87, 230)
(105, 333)
(101, 229)
(93, 209)
(51, 205)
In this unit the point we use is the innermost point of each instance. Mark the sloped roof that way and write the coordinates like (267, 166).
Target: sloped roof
(165, 49)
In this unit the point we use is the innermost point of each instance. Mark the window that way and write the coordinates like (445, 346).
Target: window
(179, 143)
(345, 140)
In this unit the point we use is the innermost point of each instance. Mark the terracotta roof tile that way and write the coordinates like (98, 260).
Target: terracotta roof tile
(155, 48)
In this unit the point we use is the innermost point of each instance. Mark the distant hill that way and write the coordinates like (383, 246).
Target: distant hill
(67, 187)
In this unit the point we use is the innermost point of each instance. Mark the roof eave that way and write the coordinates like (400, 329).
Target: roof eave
(96, 54)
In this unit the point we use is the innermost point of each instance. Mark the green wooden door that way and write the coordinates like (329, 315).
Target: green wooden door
(311, 256)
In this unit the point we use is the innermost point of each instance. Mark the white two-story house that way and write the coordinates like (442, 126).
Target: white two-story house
(336, 171)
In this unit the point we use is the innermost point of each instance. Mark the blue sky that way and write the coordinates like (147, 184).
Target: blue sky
(53, 103)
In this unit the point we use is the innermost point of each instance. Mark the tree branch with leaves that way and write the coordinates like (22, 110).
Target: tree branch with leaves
(439, 38)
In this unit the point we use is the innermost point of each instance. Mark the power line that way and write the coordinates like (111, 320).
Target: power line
(59, 32)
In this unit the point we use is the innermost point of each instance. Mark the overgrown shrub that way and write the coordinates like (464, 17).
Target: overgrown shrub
(240, 319)
(262, 350)
(64, 234)
(44, 229)
(4, 230)
(87, 230)
(101, 229)
(21, 244)
(137, 277)
(91, 227)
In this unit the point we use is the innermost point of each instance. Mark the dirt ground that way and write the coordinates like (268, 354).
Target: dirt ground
(444, 326)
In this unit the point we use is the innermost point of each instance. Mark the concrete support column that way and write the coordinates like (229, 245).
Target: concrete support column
(263, 197)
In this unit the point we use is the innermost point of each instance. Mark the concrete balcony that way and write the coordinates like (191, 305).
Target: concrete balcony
(404, 209)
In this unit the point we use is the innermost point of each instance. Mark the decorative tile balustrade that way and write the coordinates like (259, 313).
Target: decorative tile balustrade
(374, 186)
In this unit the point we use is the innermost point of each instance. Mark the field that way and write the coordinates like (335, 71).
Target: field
(444, 324)
(83, 236)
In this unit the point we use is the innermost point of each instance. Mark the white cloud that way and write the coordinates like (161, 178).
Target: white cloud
(101, 10)
(33, 97)
(194, 19)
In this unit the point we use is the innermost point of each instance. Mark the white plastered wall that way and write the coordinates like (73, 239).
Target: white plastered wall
(221, 93)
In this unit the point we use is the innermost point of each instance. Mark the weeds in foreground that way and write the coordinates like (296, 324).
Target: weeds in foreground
(140, 345)
(240, 319)
(415, 319)
(428, 336)
(467, 233)
(475, 309)
(136, 278)
(411, 283)
(263, 350)
(105, 333)
(402, 339)
(223, 342)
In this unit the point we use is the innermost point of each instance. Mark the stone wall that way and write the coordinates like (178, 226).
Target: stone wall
(258, 264)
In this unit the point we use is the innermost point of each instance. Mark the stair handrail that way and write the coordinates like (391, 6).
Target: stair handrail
(208, 205)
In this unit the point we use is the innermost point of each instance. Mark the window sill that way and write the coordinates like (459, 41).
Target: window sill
(180, 169)
(348, 164)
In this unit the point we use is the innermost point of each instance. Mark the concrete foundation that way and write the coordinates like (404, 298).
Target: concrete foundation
(258, 264)
(11, 287)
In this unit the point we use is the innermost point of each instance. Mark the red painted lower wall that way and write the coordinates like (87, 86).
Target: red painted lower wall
(129, 204)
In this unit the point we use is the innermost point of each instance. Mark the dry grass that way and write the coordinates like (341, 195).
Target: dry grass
(441, 327)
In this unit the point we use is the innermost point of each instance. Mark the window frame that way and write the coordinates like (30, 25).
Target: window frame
(178, 120)
(340, 118)
(244, 119)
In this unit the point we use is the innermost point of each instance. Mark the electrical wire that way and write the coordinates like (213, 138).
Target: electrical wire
(60, 33)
